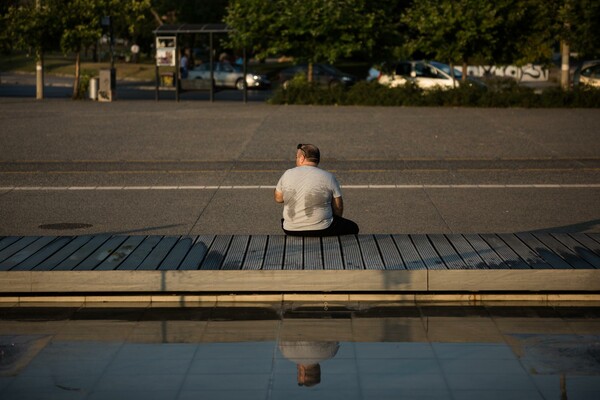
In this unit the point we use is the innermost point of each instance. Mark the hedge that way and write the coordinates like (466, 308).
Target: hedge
(498, 93)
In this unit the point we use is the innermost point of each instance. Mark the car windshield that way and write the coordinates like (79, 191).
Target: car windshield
(331, 69)
(446, 68)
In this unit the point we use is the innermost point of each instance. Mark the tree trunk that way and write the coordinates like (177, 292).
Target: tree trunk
(39, 74)
(451, 64)
(310, 72)
(464, 71)
(39, 66)
(564, 68)
(77, 75)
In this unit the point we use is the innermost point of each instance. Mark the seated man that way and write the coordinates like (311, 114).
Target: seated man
(312, 198)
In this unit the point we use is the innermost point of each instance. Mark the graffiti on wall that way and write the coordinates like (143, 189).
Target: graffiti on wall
(526, 73)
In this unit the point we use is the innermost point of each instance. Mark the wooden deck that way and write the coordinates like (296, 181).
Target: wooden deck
(523, 262)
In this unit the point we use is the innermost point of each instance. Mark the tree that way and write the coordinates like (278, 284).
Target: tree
(32, 26)
(578, 27)
(453, 31)
(81, 28)
(525, 36)
(308, 30)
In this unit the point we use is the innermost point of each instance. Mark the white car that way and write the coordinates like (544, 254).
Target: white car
(424, 75)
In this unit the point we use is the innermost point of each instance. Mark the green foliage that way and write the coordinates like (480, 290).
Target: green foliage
(578, 23)
(80, 23)
(500, 93)
(452, 31)
(28, 27)
(308, 30)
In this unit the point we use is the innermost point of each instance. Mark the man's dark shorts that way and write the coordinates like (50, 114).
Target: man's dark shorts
(339, 226)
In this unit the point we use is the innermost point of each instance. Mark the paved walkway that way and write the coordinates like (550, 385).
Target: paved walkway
(195, 168)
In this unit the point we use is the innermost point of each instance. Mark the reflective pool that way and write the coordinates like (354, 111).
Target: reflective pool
(300, 352)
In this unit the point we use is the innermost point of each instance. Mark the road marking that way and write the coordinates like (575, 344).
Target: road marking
(259, 187)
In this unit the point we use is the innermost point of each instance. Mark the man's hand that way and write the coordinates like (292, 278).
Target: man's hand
(278, 196)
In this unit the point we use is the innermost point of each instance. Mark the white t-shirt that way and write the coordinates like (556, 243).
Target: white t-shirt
(307, 193)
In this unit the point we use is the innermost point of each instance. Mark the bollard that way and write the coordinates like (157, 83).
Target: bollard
(93, 89)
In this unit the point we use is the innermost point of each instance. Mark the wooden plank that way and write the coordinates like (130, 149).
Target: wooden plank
(408, 251)
(216, 253)
(332, 253)
(177, 253)
(515, 280)
(197, 253)
(587, 242)
(448, 254)
(578, 249)
(193, 282)
(158, 253)
(548, 255)
(236, 253)
(595, 236)
(491, 259)
(7, 241)
(101, 254)
(510, 258)
(313, 256)
(389, 252)
(133, 261)
(370, 252)
(563, 251)
(255, 255)
(351, 252)
(274, 253)
(428, 254)
(25, 253)
(17, 246)
(467, 252)
(55, 259)
(293, 258)
(82, 253)
(528, 255)
(113, 261)
(39, 257)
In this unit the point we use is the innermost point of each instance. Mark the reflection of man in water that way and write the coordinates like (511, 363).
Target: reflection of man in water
(307, 356)
(312, 198)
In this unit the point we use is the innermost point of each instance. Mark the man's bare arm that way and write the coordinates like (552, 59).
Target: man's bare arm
(278, 196)
(337, 204)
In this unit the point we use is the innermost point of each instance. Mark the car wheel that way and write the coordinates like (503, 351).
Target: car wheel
(239, 84)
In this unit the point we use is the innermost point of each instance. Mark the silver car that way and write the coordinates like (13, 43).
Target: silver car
(227, 75)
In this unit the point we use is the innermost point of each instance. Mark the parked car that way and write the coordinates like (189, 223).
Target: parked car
(471, 80)
(323, 74)
(424, 75)
(588, 74)
(229, 76)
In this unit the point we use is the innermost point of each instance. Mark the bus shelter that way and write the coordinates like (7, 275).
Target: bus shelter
(168, 49)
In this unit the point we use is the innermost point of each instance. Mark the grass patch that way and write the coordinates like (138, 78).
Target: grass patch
(55, 64)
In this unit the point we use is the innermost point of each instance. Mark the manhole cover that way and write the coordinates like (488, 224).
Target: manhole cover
(65, 226)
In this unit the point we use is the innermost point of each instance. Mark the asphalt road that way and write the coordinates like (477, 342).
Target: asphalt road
(194, 167)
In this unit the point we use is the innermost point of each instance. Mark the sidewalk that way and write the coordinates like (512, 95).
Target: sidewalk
(23, 85)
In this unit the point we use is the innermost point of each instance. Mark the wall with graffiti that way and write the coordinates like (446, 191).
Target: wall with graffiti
(526, 73)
